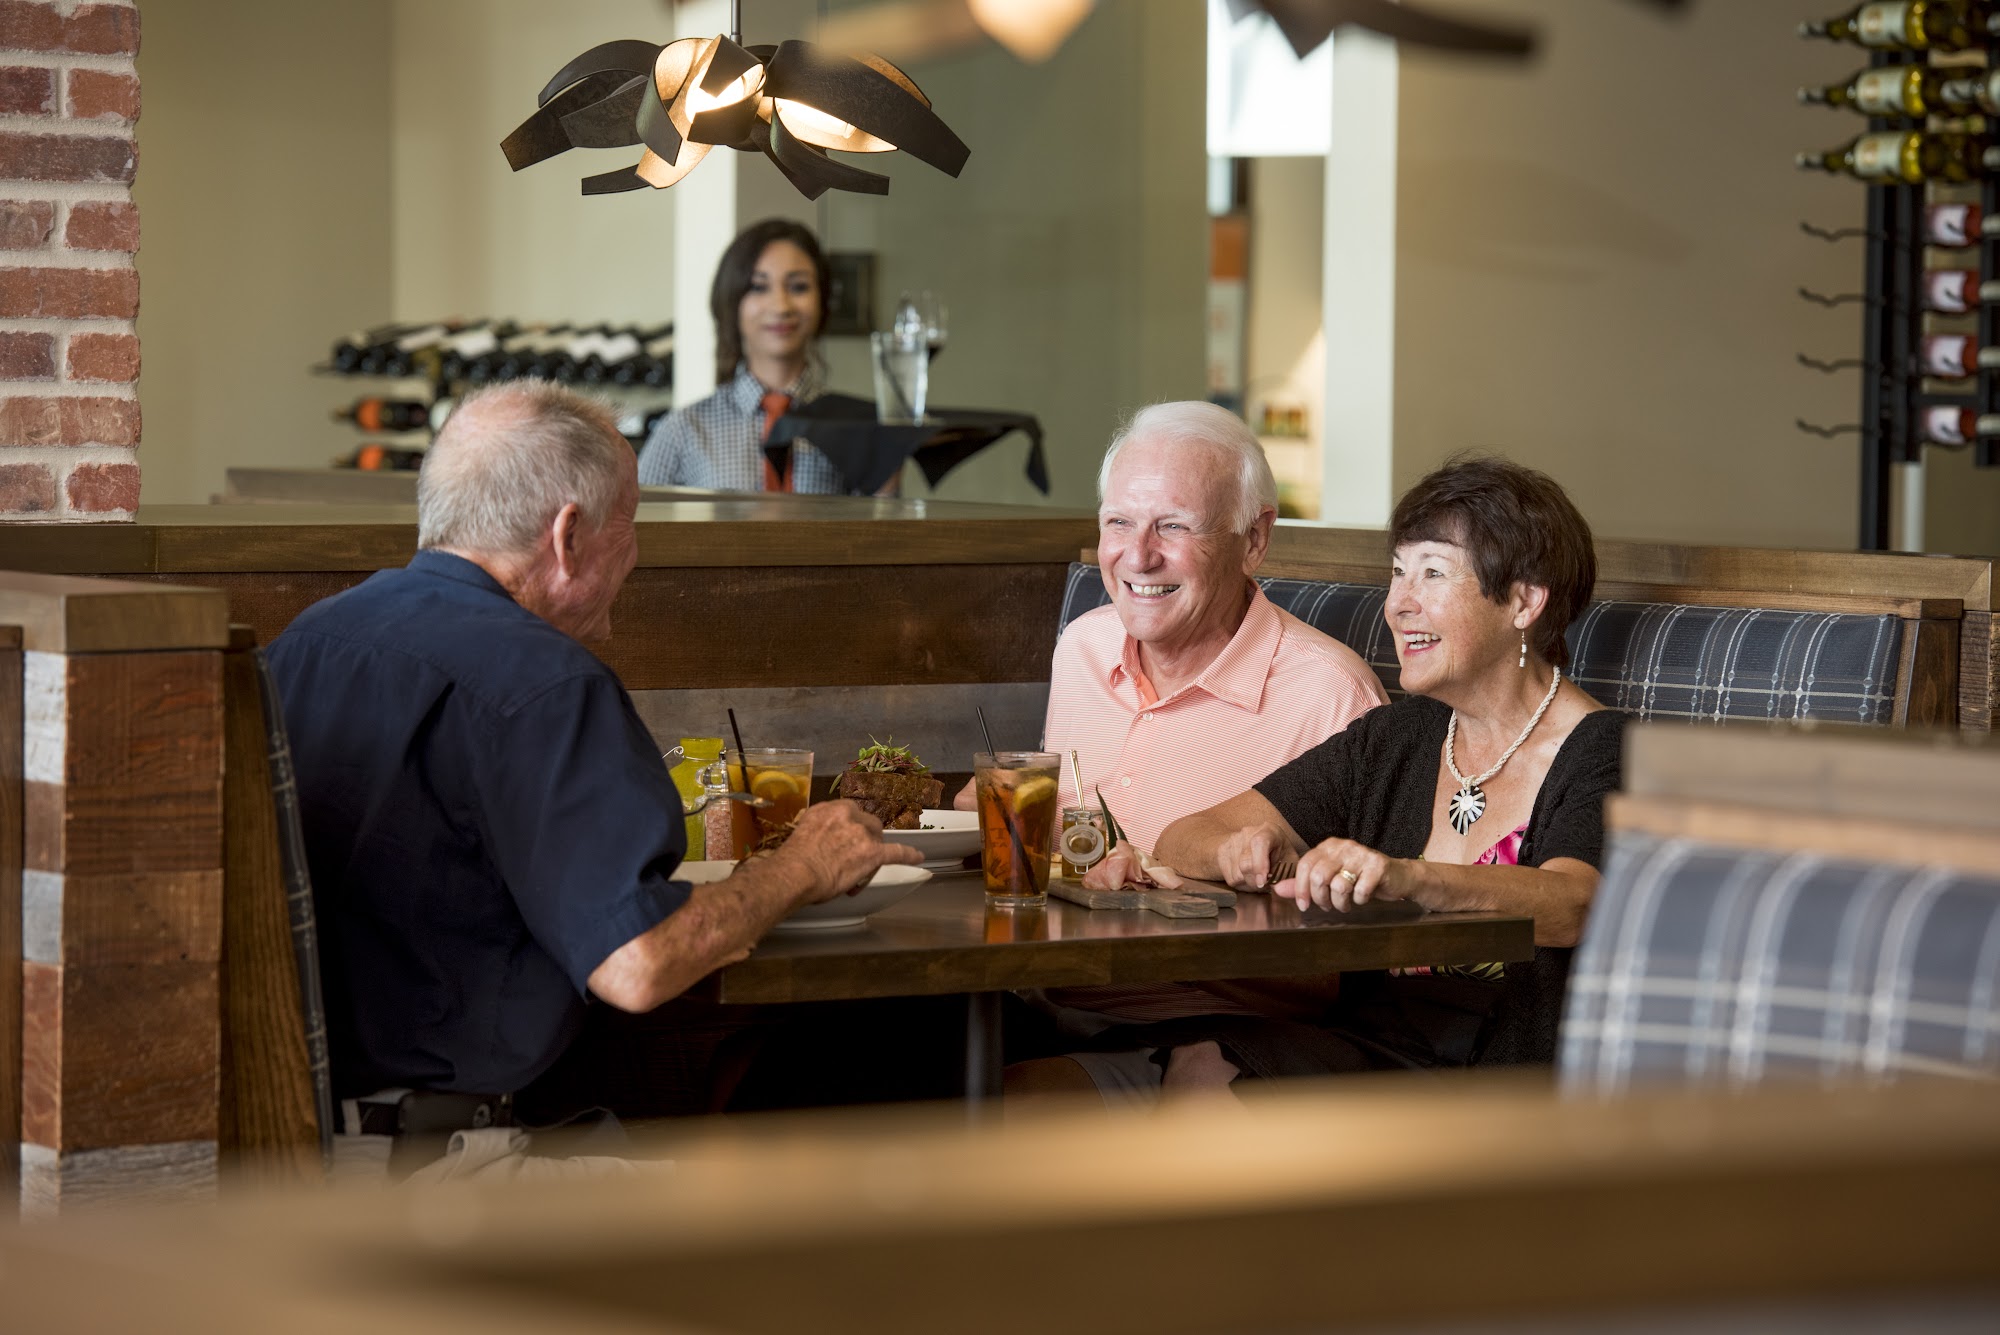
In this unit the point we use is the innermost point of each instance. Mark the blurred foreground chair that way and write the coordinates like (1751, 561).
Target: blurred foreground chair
(1782, 905)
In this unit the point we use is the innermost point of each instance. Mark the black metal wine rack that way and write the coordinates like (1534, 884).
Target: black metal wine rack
(1894, 390)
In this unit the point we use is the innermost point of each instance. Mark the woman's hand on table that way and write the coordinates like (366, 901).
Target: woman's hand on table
(1339, 874)
(1250, 858)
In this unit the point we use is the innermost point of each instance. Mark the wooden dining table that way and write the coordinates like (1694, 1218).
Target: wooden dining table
(945, 939)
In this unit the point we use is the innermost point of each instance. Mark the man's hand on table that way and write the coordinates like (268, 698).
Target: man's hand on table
(840, 846)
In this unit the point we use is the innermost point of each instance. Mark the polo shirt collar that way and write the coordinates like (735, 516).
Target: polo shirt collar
(448, 565)
(747, 392)
(1238, 674)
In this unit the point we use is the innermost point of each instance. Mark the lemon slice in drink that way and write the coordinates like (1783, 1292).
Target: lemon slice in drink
(774, 784)
(1034, 792)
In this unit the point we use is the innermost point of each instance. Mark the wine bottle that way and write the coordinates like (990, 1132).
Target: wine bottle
(1911, 25)
(1972, 91)
(1906, 157)
(652, 365)
(1958, 225)
(519, 353)
(1954, 356)
(1956, 291)
(1957, 426)
(1900, 90)
(470, 344)
(349, 352)
(385, 414)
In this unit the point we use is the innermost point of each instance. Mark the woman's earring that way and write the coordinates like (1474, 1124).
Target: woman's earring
(1524, 648)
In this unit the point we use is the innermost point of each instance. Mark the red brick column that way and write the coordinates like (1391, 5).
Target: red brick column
(69, 294)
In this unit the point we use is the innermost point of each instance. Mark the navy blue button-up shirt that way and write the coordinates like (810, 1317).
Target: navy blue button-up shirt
(486, 820)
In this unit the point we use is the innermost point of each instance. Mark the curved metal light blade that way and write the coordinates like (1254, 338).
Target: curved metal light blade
(546, 133)
(659, 173)
(722, 106)
(663, 129)
(1307, 23)
(867, 99)
(813, 172)
(628, 57)
(610, 121)
(612, 183)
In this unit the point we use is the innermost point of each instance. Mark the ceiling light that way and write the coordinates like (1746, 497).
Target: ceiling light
(793, 102)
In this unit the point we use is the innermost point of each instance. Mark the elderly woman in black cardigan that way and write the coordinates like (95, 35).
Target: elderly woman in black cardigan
(1483, 789)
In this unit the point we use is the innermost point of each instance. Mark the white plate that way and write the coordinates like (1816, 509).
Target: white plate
(850, 910)
(956, 835)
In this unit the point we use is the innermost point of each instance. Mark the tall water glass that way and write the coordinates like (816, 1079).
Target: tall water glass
(902, 377)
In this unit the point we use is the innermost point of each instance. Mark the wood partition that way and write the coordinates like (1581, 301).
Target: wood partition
(1477, 1203)
(119, 696)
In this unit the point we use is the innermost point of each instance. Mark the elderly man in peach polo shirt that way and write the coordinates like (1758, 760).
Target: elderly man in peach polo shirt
(1187, 690)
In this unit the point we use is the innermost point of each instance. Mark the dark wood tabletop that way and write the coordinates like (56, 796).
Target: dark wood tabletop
(943, 939)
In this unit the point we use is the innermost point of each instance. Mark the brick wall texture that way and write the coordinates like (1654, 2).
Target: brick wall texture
(69, 291)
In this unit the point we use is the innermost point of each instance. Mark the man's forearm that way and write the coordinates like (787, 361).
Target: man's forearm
(1189, 845)
(718, 925)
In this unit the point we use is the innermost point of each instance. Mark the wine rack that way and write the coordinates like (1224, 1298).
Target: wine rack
(1947, 155)
(632, 365)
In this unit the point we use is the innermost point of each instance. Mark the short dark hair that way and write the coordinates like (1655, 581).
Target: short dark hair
(1519, 526)
(732, 279)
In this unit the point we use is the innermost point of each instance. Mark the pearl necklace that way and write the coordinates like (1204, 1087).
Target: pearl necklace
(1468, 804)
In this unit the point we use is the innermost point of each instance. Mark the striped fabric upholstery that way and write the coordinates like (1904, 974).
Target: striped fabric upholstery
(1715, 965)
(1706, 664)
(298, 900)
(1653, 660)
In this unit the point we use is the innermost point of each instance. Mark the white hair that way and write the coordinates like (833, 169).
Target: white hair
(509, 458)
(1193, 422)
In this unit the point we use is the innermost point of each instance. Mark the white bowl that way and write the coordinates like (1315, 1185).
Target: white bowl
(887, 886)
(954, 835)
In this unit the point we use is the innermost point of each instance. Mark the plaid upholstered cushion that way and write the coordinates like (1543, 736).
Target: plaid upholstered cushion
(1711, 964)
(1705, 664)
(298, 898)
(1652, 660)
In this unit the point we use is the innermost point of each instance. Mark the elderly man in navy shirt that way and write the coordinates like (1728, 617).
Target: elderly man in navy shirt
(492, 832)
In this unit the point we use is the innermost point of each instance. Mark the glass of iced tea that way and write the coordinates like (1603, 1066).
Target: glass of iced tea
(1017, 824)
(782, 777)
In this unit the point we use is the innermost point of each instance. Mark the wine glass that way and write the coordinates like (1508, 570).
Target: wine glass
(936, 321)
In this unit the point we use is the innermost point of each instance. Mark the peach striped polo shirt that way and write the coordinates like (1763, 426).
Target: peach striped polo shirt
(1277, 689)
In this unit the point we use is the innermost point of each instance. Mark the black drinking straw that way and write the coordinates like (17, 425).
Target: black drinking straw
(1020, 867)
(742, 756)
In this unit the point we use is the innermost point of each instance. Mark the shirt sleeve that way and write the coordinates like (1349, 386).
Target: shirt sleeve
(1313, 792)
(583, 821)
(1568, 821)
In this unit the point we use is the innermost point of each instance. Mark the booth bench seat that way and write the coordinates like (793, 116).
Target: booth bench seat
(1696, 655)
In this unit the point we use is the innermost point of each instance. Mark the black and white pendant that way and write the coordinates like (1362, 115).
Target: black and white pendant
(1468, 804)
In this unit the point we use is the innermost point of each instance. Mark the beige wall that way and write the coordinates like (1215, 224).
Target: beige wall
(470, 236)
(309, 170)
(264, 192)
(1597, 260)
(1073, 250)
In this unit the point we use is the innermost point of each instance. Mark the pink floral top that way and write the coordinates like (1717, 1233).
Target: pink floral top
(1506, 853)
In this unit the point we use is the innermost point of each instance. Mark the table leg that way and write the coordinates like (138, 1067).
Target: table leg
(982, 1054)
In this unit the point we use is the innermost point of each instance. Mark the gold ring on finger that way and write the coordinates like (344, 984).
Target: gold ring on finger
(1349, 876)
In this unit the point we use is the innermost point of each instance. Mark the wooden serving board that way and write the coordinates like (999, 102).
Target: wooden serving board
(1194, 902)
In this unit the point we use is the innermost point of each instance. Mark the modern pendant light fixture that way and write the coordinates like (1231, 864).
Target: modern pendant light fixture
(792, 102)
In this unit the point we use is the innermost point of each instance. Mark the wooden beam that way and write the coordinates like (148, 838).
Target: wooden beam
(1787, 832)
